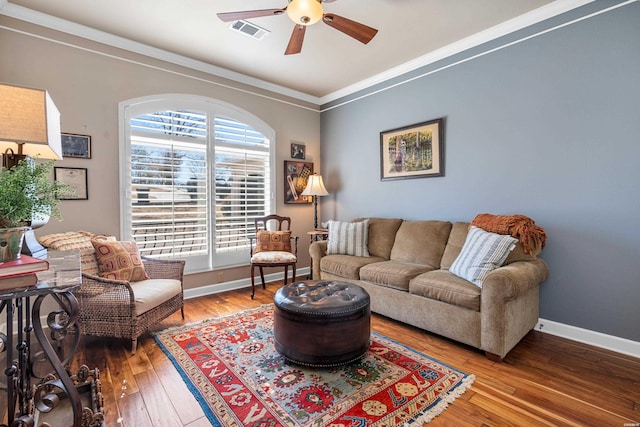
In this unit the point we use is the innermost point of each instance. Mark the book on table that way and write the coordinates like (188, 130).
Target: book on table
(23, 265)
(18, 281)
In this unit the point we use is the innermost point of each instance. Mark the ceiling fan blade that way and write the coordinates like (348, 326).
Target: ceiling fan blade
(295, 42)
(358, 31)
(247, 14)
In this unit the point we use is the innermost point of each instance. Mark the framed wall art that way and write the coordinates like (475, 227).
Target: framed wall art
(296, 175)
(297, 150)
(76, 145)
(76, 178)
(415, 151)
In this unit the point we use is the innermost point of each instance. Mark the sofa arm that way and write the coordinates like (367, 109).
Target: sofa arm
(509, 304)
(317, 250)
(515, 279)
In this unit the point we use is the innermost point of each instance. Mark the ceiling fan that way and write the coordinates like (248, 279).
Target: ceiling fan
(304, 13)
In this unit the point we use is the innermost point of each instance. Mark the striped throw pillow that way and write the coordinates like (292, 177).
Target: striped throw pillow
(348, 238)
(481, 253)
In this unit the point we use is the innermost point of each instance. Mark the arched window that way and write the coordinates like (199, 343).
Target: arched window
(194, 173)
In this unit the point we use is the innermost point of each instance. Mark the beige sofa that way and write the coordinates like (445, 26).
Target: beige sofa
(408, 280)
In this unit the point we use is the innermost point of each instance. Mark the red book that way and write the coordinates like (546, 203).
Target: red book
(18, 281)
(23, 265)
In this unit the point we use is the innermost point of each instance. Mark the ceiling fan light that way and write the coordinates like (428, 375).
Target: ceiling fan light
(304, 12)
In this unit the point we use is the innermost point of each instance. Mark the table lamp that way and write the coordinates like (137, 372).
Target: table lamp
(29, 126)
(315, 188)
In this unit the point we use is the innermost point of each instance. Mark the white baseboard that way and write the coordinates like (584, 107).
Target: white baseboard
(586, 336)
(237, 284)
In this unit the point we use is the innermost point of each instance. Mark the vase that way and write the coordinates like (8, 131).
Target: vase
(11, 243)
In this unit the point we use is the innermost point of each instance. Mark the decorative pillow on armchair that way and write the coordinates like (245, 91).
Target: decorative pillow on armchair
(348, 238)
(119, 261)
(268, 241)
(482, 253)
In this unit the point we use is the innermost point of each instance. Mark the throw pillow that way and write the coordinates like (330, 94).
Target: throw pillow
(348, 238)
(119, 261)
(481, 253)
(268, 241)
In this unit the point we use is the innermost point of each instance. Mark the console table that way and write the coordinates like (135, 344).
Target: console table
(23, 317)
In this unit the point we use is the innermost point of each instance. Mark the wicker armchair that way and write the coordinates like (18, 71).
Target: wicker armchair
(119, 308)
(108, 308)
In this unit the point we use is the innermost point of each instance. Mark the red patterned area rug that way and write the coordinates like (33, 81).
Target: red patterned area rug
(232, 368)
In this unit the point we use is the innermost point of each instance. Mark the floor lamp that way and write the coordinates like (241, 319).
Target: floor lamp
(29, 126)
(315, 188)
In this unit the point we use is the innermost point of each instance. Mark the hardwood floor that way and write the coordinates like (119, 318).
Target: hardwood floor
(545, 380)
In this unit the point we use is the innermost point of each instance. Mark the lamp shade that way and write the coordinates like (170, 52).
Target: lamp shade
(315, 187)
(29, 122)
(304, 12)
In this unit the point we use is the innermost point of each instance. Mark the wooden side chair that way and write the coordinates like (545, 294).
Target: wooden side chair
(273, 246)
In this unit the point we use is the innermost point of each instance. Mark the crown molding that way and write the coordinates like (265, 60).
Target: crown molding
(68, 27)
(533, 17)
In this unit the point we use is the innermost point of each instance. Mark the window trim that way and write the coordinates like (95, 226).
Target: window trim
(213, 107)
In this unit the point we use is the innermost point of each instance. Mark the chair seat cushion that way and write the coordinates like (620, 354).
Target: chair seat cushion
(273, 257)
(151, 293)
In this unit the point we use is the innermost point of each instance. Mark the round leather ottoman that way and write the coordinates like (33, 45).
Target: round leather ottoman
(322, 323)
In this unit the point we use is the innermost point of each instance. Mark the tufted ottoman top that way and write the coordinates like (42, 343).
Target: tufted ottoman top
(326, 297)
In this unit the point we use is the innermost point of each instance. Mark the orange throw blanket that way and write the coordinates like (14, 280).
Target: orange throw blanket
(532, 237)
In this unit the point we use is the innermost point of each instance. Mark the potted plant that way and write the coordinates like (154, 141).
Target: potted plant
(26, 192)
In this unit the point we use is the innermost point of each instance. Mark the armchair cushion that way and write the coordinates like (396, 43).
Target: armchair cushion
(153, 292)
(273, 241)
(119, 261)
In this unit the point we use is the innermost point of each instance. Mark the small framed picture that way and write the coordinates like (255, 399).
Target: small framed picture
(76, 145)
(297, 150)
(76, 178)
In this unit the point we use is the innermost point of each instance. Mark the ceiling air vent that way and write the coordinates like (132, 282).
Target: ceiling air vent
(249, 29)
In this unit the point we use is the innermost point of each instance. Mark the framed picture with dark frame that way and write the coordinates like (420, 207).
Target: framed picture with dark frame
(298, 150)
(296, 175)
(76, 145)
(76, 178)
(415, 151)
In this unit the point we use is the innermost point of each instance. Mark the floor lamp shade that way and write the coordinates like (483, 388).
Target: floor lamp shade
(315, 187)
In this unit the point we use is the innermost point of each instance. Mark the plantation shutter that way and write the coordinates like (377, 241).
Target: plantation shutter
(241, 183)
(195, 193)
(169, 183)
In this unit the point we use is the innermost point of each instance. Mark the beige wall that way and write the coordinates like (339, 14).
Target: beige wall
(88, 80)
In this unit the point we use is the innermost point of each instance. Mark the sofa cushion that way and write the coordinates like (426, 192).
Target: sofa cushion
(421, 242)
(442, 285)
(348, 238)
(346, 266)
(151, 293)
(273, 241)
(77, 241)
(393, 274)
(119, 261)
(382, 235)
(456, 240)
(482, 252)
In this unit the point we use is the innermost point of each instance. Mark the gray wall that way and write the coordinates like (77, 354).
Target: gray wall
(548, 128)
